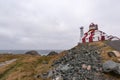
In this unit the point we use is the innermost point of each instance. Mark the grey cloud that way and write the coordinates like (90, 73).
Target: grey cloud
(53, 24)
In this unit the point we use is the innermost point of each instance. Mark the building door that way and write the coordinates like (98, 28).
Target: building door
(102, 38)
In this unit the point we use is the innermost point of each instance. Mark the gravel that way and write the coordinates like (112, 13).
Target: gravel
(83, 63)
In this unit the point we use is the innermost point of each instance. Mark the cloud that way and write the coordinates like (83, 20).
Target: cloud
(53, 24)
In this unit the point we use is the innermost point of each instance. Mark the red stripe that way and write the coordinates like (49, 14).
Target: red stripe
(91, 36)
(83, 39)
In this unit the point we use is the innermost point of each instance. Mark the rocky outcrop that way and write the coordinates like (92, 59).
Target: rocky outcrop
(83, 63)
(33, 52)
(52, 53)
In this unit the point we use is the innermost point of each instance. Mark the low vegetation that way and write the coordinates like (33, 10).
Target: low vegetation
(27, 66)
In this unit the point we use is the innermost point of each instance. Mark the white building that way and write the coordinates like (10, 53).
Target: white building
(96, 35)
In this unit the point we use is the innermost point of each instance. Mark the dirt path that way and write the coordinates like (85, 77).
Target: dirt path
(7, 62)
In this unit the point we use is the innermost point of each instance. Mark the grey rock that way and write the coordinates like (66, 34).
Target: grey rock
(44, 75)
(65, 67)
(50, 74)
(109, 66)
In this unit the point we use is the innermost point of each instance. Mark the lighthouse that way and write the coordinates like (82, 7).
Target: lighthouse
(94, 34)
(81, 33)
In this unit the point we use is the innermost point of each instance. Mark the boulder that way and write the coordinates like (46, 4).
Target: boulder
(52, 53)
(109, 66)
(33, 52)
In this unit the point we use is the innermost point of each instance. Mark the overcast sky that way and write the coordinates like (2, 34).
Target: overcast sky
(54, 24)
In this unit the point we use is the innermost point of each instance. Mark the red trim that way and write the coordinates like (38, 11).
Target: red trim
(91, 36)
(83, 39)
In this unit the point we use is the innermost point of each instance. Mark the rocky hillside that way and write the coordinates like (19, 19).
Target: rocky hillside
(83, 62)
(88, 62)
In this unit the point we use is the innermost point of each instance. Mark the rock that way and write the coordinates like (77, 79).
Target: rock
(45, 75)
(58, 78)
(50, 73)
(89, 67)
(84, 66)
(33, 52)
(65, 67)
(111, 54)
(109, 66)
(114, 54)
(52, 53)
